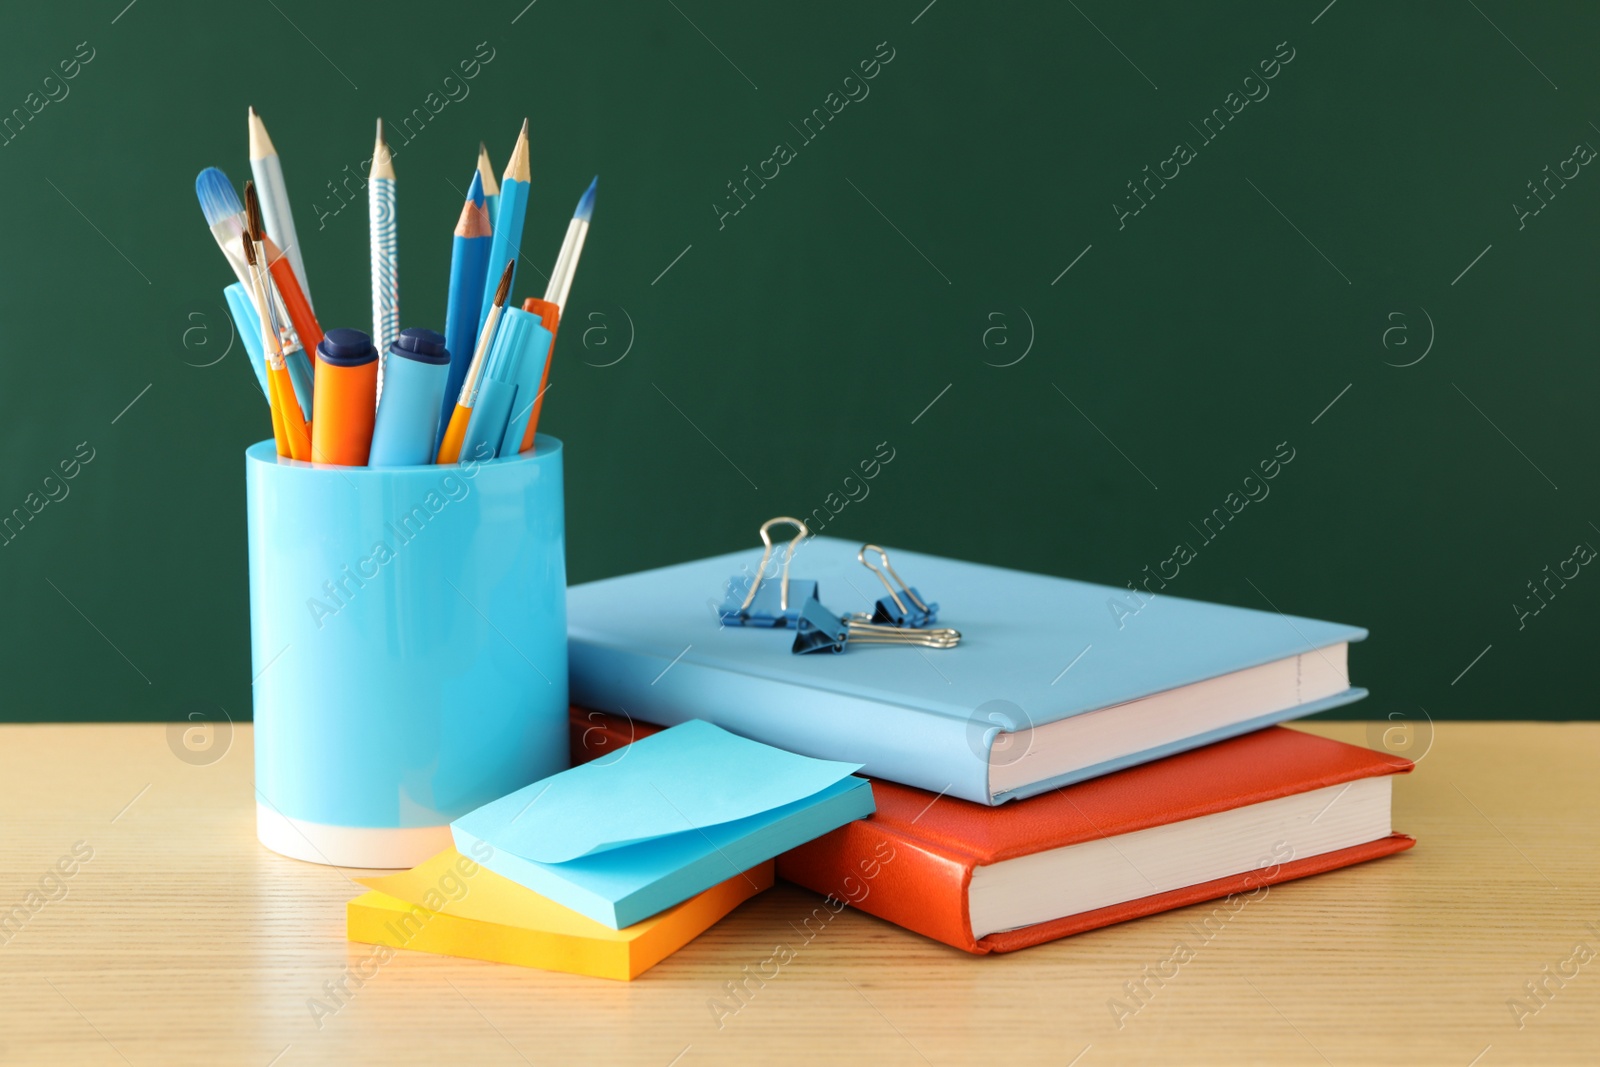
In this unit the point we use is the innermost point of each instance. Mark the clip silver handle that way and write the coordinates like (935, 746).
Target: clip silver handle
(876, 634)
(766, 558)
(883, 557)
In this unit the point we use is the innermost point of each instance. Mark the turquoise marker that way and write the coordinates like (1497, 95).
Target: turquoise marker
(530, 370)
(507, 240)
(406, 430)
(249, 329)
(497, 390)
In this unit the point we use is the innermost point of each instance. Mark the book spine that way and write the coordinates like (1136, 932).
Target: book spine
(890, 875)
(594, 734)
(895, 742)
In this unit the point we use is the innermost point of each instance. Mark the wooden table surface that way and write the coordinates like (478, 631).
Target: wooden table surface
(181, 940)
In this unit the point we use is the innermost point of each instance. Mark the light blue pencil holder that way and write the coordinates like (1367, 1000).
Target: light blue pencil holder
(408, 636)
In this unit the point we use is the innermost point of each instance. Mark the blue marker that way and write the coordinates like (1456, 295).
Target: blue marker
(529, 371)
(498, 390)
(249, 329)
(406, 431)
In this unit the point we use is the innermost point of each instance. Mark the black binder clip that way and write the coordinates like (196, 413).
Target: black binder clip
(903, 608)
(748, 601)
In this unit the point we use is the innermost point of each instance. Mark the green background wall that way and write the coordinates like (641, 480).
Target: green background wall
(903, 258)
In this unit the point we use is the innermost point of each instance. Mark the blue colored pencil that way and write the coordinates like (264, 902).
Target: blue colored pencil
(469, 273)
(491, 188)
(507, 240)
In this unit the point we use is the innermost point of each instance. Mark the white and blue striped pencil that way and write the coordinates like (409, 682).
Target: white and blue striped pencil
(385, 252)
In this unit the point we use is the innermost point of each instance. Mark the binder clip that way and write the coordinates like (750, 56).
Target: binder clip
(820, 630)
(903, 608)
(748, 601)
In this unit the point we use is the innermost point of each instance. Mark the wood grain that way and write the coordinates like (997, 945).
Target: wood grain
(183, 941)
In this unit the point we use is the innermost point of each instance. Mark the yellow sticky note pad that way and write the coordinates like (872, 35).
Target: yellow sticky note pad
(455, 907)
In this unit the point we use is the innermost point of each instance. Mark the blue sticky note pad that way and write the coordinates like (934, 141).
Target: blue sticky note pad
(672, 815)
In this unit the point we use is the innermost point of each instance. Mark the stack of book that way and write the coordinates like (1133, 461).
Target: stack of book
(1086, 755)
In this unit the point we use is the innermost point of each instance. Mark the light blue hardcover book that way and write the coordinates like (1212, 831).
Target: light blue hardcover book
(1054, 682)
(623, 838)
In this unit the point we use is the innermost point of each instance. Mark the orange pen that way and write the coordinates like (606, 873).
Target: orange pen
(456, 432)
(345, 398)
(549, 317)
(289, 427)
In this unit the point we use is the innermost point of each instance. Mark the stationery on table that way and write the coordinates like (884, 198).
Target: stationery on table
(271, 308)
(1050, 685)
(469, 273)
(455, 907)
(1230, 818)
(511, 211)
(685, 809)
(267, 170)
(385, 248)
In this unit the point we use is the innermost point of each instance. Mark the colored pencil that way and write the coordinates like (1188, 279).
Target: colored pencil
(267, 169)
(555, 297)
(450, 447)
(469, 273)
(491, 188)
(508, 221)
(385, 251)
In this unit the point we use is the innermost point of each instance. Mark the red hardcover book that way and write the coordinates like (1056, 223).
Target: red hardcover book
(1226, 820)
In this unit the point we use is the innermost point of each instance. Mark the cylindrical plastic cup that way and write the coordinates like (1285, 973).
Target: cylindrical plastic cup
(408, 646)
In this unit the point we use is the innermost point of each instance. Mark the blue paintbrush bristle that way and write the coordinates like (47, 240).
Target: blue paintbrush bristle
(217, 196)
(586, 205)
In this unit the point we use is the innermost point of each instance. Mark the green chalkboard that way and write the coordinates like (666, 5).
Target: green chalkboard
(1079, 269)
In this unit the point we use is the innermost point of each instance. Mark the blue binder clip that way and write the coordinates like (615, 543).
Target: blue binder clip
(819, 630)
(903, 608)
(750, 602)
